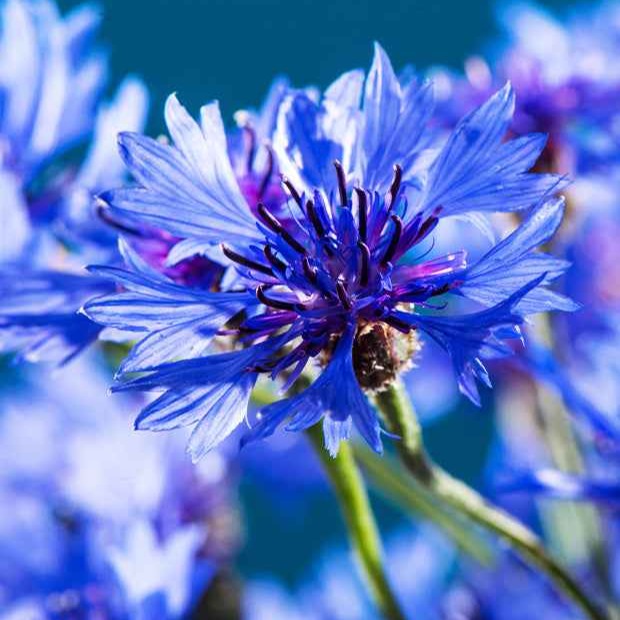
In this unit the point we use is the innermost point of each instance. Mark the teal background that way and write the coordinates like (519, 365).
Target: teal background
(230, 50)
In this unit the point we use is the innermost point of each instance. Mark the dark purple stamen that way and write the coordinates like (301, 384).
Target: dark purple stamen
(265, 367)
(314, 218)
(442, 289)
(343, 295)
(342, 183)
(395, 186)
(309, 270)
(246, 262)
(365, 267)
(292, 191)
(274, 224)
(274, 303)
(393, 245)
(398, 324)
(362, 223)
(427, 227)
(273, 259)
(268, 322)
(268, 172)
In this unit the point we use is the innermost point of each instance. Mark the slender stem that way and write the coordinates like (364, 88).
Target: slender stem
(576, 528)
(350, 490)
(388, 480)
(401, 420)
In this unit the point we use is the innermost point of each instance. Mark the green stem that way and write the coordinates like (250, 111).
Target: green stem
(388, 480)
(577, 528)
(401, 420)
(362, 529)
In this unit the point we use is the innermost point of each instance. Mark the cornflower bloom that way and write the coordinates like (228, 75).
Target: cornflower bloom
(343, 276)
(569, 88)
(564, 72)
(52, 78)
(104, 523)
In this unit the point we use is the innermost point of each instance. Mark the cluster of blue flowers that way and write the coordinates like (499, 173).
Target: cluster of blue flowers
(443, 229)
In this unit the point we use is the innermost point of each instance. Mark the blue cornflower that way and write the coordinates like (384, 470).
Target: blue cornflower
(569, 88)
(52, 77)
(103, 523)
(342, 274)
(510, 591)
(566, 77)
(598, 405)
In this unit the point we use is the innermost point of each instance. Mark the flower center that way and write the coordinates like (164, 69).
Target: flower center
(381, 353)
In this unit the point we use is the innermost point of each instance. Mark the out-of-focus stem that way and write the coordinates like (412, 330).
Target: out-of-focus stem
(350, 490)
(402, 421)
(576, 530)
(387, 479)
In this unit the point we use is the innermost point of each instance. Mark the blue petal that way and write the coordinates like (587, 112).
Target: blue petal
(346, 91)
(382, 97)
(513, 262)
(103, 168)
(560, 485)
(541, 362)
(264, 122)
(14, 219)
(230, 411)
(470, 337)
(212, 392)
(395, 123)
(335, 431)
(81, 26)
(336, 395)
(477, 171)
(180, 320)
(306, 147)
(39, 314)
(189, 190)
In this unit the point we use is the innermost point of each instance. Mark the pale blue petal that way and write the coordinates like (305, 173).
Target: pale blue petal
(226, 414)
(335, 431)
(514, 262)
(189, 189)
(14, 219)
(346, 91)
(180, 321)
(477, 171)
(395, 124)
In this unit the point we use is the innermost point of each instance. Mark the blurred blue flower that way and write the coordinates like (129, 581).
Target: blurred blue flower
(419, 564)
(52, 78)
(103, 522)
(566, 77)
(510, 591)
